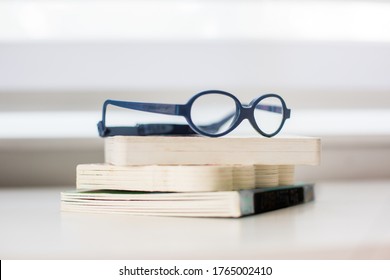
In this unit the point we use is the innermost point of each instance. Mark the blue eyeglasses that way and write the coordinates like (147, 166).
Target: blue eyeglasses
(266, 114)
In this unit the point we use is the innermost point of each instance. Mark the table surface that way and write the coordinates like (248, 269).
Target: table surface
(348, 220)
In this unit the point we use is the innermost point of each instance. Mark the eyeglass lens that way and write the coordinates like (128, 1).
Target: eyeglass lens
(213, 113)
(268, 114)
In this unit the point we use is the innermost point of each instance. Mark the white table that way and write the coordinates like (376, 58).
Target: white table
(348, 220)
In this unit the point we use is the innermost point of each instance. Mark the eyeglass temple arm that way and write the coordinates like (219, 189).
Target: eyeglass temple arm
(167, 109)
(270, 108)
(146, 129)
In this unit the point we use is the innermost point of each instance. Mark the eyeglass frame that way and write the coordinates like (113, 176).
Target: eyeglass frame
(242, 112)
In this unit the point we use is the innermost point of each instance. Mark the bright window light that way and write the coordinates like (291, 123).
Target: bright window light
(195, 19)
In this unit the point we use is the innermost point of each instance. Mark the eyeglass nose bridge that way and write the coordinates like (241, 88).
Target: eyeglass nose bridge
(247, 112)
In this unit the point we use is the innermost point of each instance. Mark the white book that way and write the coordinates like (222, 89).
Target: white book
(182, 178)
(144, 150)
(193, 204)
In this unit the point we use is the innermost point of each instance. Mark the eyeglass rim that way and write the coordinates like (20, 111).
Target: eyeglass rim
(243, 113)
(285, 115)
(206, 92)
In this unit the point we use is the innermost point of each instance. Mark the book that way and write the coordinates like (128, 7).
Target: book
(193, 204)
(144, 150)
(182, 178)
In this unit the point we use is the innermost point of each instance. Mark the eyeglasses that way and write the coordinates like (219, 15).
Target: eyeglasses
(266, 114)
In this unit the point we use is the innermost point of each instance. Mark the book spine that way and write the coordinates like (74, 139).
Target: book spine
(260, 201)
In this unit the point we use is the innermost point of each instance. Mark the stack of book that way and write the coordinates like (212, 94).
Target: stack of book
(194, 176)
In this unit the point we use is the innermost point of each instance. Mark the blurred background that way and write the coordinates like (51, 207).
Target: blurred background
(59, 61)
